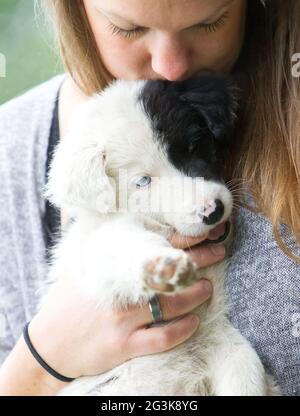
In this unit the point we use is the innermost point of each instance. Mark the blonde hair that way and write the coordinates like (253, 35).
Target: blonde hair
(77, 45)
(268, 156)
(266, 150)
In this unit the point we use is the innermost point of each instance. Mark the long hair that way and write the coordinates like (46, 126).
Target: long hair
(266, 150)
(265, 155)
(77, 46)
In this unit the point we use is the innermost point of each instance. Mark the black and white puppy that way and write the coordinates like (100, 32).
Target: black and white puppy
(141, 159)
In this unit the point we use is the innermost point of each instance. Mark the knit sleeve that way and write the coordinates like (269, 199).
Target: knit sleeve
(24, 133)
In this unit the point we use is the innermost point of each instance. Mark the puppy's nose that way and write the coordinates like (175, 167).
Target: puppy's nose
(210, 218)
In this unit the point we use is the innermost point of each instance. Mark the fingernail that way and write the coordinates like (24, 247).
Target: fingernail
(218, 250)
(206, 286)
(195, 320)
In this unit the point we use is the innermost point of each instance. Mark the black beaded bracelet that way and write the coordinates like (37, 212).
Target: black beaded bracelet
(40, 360)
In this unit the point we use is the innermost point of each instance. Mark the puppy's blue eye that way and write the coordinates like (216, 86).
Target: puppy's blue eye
(144, 181)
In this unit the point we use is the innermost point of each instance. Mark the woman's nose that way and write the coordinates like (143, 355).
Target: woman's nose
(169, 58)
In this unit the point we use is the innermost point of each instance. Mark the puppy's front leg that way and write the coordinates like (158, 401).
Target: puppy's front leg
(124, 264)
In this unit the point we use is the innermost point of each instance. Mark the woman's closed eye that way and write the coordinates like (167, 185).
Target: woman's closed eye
(133, 33)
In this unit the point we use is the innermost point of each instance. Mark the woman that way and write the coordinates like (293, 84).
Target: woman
(173, 40)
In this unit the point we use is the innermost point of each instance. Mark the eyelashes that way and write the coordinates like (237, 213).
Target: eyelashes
(115, 30)
(213, 27)
(128, 34)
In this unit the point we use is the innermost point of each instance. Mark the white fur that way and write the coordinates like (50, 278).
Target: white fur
(105, 252)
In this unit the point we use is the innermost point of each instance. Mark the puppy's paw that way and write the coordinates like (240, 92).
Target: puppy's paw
(171, 271)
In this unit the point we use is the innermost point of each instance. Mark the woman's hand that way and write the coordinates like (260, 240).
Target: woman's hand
(78, 339)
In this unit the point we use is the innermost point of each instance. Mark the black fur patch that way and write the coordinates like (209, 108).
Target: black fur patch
(194, 119)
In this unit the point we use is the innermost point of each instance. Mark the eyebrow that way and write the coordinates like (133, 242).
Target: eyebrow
(129, 21)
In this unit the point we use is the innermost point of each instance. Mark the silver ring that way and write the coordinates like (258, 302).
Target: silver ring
(155, 309)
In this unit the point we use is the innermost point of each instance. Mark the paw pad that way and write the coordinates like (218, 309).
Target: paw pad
(169, 273)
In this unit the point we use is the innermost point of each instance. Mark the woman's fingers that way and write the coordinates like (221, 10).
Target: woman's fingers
(158, 339)
(175, 308)
(177, 305)
(181, 241)
(206, 255)
(186, 301)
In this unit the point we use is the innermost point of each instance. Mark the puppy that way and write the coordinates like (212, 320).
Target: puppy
(142, 159)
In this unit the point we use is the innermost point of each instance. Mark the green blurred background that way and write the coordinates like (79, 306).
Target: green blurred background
(27, 43)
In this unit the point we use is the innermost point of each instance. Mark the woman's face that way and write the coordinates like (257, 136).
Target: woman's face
(167, 39)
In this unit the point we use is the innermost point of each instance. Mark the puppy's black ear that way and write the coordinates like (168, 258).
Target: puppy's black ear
(215, 98)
